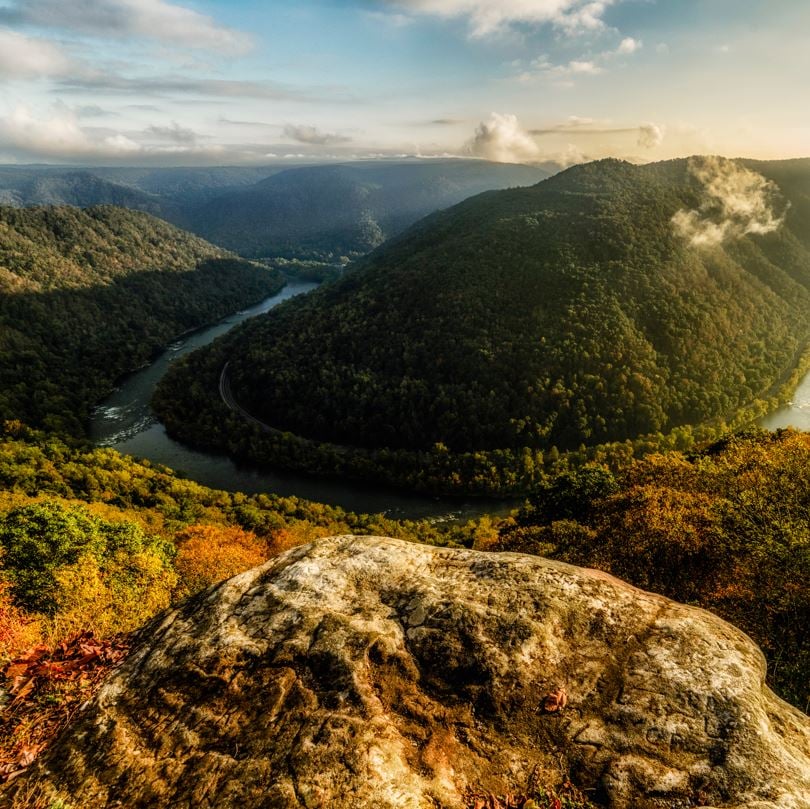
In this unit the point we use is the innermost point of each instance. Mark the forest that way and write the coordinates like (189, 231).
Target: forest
(516, 327)
(88, 295)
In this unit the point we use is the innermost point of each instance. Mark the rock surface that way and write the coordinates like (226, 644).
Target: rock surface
(370, 672)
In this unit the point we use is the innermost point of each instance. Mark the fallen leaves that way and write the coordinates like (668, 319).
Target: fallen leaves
(46, 687)
(555, 701)
(490, 801)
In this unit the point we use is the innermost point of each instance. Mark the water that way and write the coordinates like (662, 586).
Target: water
(795, 413)
(125, 421)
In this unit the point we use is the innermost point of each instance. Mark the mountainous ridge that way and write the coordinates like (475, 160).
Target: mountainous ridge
(89, 294)
(574, 312)
(320, 211)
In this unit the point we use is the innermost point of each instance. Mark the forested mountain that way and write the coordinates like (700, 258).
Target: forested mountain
(86, 295)
(327, 211)
(609, 302)
(25, 187)
(319, 212)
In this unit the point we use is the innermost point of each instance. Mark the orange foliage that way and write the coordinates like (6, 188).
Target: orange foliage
(293, 535)
(208, 554)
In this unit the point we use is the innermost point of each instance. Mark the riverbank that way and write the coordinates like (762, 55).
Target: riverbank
(125, 422)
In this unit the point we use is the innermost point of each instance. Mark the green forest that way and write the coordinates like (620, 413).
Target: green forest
(516, 327)
(88, 295)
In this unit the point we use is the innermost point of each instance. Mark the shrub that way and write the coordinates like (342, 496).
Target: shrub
(208, 554)
(81, 571)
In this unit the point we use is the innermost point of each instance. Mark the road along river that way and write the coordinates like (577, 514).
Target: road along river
(125, 421)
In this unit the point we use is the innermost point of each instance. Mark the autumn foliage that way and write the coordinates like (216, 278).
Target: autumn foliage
(207, 554)
(727, 528)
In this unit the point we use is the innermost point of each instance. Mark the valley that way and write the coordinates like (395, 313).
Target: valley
(470, 387)
(315, 479)
(125, 422)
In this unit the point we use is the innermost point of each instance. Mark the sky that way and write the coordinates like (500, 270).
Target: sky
(221, 82)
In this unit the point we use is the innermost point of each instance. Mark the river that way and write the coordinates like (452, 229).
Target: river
(125, 421)
(796, 413)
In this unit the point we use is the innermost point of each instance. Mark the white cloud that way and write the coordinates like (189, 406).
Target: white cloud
(650, 135)
(488, 17)
(25, 57)
(174, 133)
(150, 19)
(502, 140)
(737, 201)
(627, 46)
(582, 67)
(57, 134)
(592, 66)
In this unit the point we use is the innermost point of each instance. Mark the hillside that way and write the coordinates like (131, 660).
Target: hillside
(87, 295)
(170, 190)
(328, 211)
(590, 309)
(27, 187)
(313, 212)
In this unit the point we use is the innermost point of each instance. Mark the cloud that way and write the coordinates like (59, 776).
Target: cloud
(313, 135)
(93, 111)
(627, 46)
(736, 202)
(57, 135)
(174, 133)
(650, 135)
(183, 85)
(594, 65)
(488, 17)
(23, 57)
(502, 140)
(149, 19)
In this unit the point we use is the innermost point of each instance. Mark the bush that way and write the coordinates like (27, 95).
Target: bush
(72, 566)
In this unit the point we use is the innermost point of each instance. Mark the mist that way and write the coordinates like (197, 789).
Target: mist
(736, 202)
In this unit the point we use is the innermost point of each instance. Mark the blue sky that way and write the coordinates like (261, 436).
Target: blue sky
(177, 82)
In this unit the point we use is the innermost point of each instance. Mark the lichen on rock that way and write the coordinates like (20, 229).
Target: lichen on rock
(371, 672)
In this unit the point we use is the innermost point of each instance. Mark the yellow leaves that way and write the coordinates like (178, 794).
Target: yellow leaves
(18, 630)
(119, 598)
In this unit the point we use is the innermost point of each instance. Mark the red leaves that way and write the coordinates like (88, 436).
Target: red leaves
(67, 675)
(555, 701)
(490, 801)
(533, 796)
(79, 658)
(25, 756)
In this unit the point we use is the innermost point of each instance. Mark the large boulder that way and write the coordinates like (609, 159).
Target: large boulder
(370, 672)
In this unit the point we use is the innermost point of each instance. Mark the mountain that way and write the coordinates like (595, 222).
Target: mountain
(189, 185)
(607, 303)
(329, 211)
(26, 187)
(87, 295)
(319, 212)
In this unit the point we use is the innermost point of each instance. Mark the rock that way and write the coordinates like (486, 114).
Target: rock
(370, 672)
